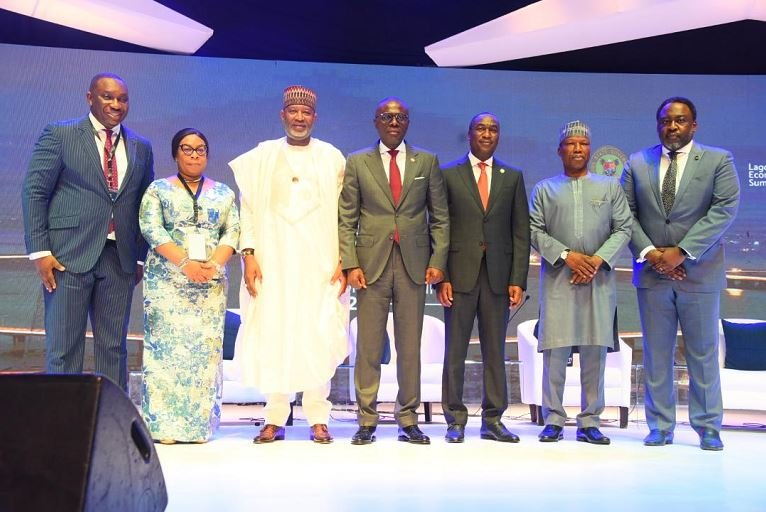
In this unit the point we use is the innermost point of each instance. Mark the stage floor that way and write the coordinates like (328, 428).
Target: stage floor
(231, 473)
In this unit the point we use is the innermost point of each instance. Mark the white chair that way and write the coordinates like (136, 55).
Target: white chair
(617, 377)
(740, 389)
(431, 362)
(235, 392)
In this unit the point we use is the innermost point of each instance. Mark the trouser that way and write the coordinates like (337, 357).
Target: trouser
(592, 366)
(407, 298)
(104, 293)
(315, 405)
(662, 308)
(492, 312)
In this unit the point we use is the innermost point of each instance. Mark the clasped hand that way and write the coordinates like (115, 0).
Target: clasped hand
(584, 268)
(199, 271)
(668, 262)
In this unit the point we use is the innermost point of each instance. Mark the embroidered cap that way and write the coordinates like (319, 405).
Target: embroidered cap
(299, 95)
(574, 129)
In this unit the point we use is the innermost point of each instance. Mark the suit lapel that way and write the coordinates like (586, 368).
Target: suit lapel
(88, 141)
(375, 166)
(498, 179)
(695, 153)
(411, 170)
(131, 146)
(465, 171)
(653, 161)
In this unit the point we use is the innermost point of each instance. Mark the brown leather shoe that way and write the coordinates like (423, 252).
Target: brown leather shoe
(320, 434)
(270, 433)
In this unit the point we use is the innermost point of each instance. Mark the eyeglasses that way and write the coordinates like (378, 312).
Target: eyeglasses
(400, 117)
(188, 150)
(667, 121)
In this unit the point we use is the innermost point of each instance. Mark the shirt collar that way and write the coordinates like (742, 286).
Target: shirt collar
(475, 161)
(100, 127)
(681, 151)
(401, 148)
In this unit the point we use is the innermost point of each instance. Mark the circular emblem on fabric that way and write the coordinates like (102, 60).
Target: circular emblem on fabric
(607, 160)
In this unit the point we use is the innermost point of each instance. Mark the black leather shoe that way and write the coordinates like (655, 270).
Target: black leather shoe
(412, 434)
(496, 431)
(710, 440)
(365, 435)
(551, 434)
(455, 433)
(592, 435)
(658, 437)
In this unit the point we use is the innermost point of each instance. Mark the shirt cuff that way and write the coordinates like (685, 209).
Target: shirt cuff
(642, 257)
(39, 254)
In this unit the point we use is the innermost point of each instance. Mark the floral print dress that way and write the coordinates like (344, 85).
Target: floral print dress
(183, 320)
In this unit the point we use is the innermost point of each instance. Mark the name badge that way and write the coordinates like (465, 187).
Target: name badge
(196, 247)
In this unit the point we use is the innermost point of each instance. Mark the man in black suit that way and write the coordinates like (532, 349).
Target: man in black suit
(486, 274)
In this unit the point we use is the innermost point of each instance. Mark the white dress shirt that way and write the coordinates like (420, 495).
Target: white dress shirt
(477, 171)
(401, 158)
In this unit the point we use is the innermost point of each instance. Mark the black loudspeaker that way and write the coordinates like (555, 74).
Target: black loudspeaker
(74, 443)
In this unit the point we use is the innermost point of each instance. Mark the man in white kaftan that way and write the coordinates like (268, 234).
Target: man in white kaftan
(294, 325)
(579, 223)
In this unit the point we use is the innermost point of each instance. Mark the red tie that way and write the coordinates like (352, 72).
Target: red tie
(483, 187)
(110, 171)
(395, 181)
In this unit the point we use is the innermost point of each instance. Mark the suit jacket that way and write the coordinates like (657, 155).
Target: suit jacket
(501, 233)
(705, 205)
(66, 202)
(367, 214)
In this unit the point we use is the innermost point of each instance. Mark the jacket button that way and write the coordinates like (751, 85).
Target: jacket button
(667, 221)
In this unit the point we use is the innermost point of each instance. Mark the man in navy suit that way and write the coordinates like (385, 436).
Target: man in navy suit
(486, 274)
(683, 196)
(80, 200)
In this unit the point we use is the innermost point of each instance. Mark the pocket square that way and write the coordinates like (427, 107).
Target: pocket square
(419, 178)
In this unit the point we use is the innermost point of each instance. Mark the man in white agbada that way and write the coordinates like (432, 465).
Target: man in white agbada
(579, 223)
(294, 323)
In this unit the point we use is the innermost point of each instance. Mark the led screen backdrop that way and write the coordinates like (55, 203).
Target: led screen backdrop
(236, 104)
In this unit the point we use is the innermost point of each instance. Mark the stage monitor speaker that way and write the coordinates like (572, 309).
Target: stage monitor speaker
(74, 443)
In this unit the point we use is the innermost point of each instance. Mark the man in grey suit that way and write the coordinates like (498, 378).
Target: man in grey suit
(486, 274)
(80, 201)
(683, 196)
(394, 232)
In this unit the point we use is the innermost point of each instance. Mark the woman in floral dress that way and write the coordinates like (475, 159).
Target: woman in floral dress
(192, 226)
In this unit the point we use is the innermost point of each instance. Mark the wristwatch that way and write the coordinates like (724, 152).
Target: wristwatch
(247, 252)
(564, 254)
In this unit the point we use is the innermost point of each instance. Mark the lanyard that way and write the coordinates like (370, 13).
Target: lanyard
(112, 151)
(110, 155)
(194, 196)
